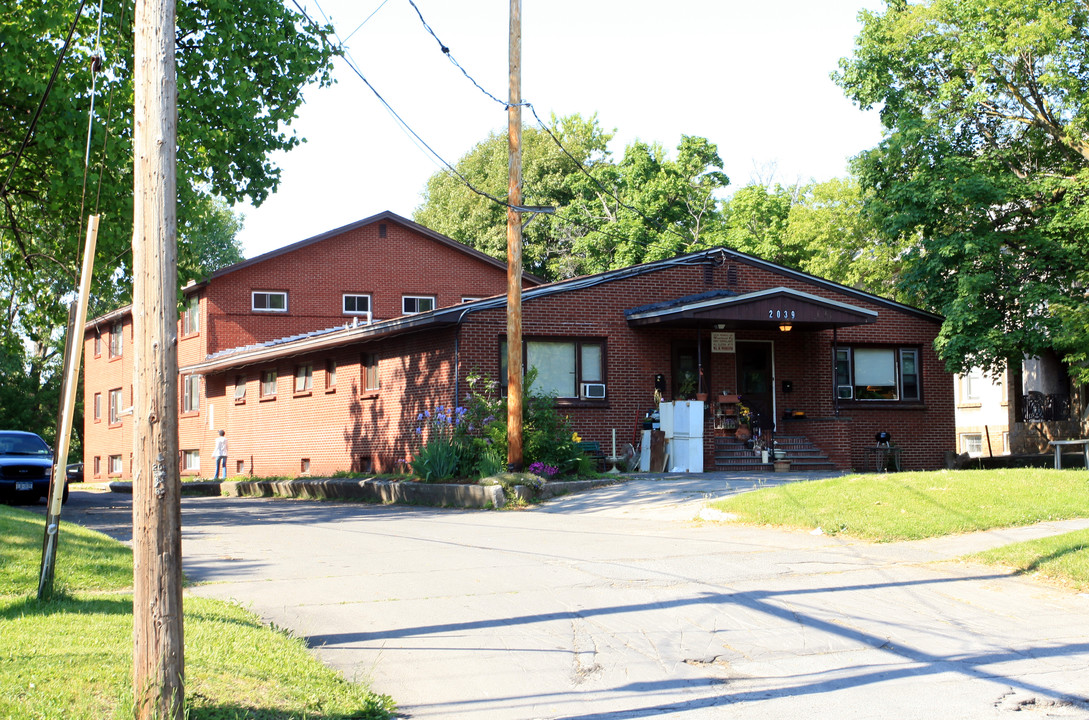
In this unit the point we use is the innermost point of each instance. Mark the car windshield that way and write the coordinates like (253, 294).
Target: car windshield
(13, 444)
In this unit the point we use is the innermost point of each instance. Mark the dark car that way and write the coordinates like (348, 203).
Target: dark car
(26, 462)
(74, 471)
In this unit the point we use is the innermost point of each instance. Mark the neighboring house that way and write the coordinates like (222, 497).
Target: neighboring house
(373, 270)
(824, 366)
(1044, 405)
(983, 415)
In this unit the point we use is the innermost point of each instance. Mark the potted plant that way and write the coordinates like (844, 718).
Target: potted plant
(743, 415)
(687, 386)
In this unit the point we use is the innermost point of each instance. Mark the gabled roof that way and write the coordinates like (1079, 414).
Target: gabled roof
(453, 315)
(385, 216)
(775, 305)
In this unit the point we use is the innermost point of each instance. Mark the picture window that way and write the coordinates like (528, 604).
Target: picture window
(878, 373)
(567, 368)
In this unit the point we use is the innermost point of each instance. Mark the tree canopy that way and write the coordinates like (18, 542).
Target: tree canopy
(241, 66)
(980, 181)
(609, 214)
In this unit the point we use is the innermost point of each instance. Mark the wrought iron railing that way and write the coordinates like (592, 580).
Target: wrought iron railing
(1038, 407)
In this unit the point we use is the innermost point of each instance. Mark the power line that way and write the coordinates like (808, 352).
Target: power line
(446, 51)
(352, 66)
(373, 13)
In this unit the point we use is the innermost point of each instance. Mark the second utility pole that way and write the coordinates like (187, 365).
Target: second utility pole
(514, 246)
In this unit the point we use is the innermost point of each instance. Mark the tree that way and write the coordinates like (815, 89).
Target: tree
(982, 175)
(241, 66)
(614, 214)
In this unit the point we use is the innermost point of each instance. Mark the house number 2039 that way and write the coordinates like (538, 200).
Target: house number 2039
(780, 314)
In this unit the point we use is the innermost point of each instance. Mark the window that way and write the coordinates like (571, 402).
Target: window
(971, 386)
(115, 340)
(190, 393)
(330, 375)
(469, 299)
(191, 316)
(357, 305)
(304, 378)
(413, 304)
(98, 345)
(370, 372)
(565, 368)
(98, 407)
(269, 301)
(268, 383)
(877, 374)
(239, 388)
(115, 464)
(191, 460)
(971, 443)
(98, 465)
(115, 406)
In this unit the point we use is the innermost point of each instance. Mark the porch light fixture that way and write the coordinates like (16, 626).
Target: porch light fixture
(785, 326)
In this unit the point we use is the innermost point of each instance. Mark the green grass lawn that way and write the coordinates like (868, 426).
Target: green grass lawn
(914, 505)
(1062, 559)
(72, 657)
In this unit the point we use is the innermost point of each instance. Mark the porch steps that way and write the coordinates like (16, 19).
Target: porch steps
(731, 455)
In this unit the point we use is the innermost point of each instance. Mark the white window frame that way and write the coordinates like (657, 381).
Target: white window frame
(304, 377)
(190, 461)
(117, 339)
(239, 388)
(968, 439)
(115, 406)
(268, 376)
(190, 393)
(356, 297)
(579, 345)
(416, 299)
(98, 407)
(848, 391)
(191, 316)
(113, 465)
(268, 295)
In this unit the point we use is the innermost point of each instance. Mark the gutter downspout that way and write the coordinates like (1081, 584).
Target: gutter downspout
(835, 361)
(457, 354)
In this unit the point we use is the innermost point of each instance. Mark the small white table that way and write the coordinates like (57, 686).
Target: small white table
(1059, 444)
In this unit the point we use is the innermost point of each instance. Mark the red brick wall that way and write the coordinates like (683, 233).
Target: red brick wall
(346, 428)
(103, 373)
(357, 261)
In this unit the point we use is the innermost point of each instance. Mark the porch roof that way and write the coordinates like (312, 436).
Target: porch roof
(760, 309)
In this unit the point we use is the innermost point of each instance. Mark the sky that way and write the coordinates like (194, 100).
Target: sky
(752, 77)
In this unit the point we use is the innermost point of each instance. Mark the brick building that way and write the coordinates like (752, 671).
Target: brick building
(379, 268)
(822, 366)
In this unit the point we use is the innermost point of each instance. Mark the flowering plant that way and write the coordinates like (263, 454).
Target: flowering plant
(744, 414)
(546, 471)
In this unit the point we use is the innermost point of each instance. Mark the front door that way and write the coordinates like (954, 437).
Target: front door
(755, 382)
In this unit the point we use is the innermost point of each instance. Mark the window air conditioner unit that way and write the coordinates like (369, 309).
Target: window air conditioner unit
(593, 391)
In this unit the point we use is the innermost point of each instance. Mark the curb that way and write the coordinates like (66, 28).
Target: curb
(386, 492)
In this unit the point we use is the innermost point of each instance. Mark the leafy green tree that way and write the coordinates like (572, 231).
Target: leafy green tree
(981, 179)
(643, 208)
(839, 240)
(241, 66)
(757, 217)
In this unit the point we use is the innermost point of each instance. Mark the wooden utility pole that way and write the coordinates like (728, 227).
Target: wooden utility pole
(73, 353)
(158, 659)
(514, 245)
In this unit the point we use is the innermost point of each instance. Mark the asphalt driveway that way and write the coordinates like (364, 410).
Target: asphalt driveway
(618, 603)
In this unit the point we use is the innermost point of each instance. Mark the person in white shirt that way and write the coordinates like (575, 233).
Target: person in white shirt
(220, 454)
